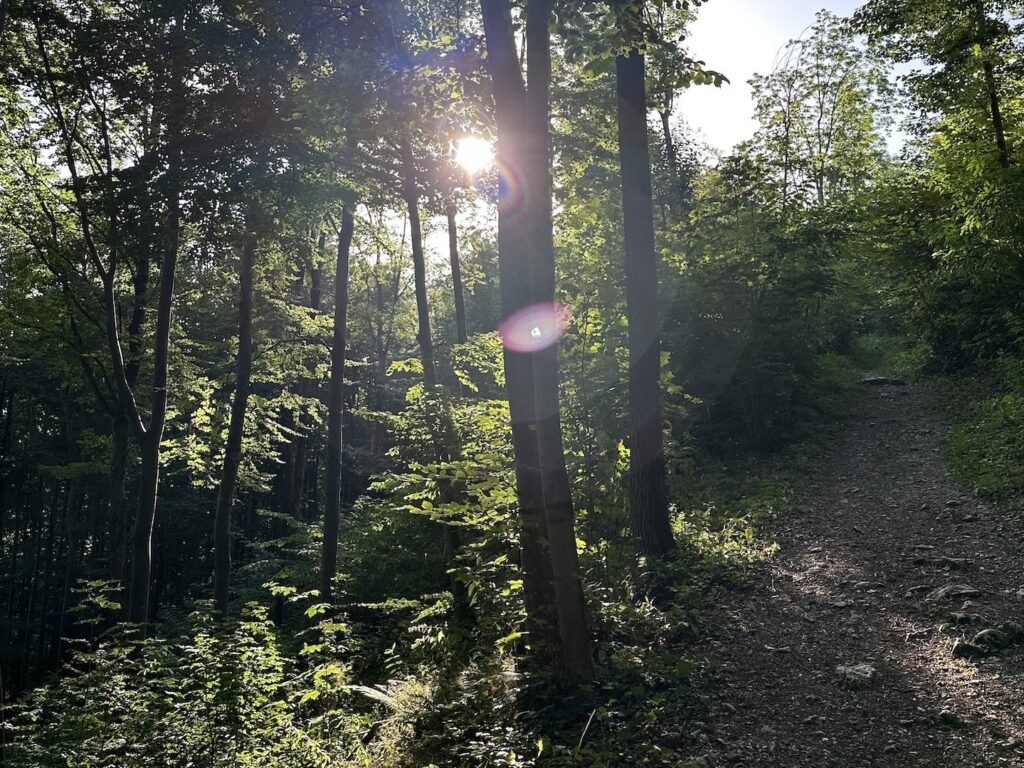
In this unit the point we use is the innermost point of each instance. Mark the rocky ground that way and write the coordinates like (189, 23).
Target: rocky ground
(887, 630)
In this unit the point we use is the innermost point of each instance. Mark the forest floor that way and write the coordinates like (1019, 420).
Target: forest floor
(859, 580)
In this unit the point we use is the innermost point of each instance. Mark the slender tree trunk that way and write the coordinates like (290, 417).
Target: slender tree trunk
(6, 465)
(453, 249)
(73, 556)
(670, 146)
(526, 266)
(116, 516)
(648, 496)
(672, 158)
(984, 41)
(49, 566)
(410, 191)
(151, 436)
(149, 441)
(335, 409)
(142, 534)
(997, 115)
(297, 482)
(236, 426)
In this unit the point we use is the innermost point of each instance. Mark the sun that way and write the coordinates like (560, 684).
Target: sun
(474, 154)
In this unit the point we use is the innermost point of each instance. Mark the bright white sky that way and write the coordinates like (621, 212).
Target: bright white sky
(739, 38)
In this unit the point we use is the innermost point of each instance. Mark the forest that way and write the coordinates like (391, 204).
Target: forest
(402, 383)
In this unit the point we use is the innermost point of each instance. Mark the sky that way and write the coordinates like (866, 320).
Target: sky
(739, 38)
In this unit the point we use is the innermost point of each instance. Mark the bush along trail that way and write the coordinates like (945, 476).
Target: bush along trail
(887, 630)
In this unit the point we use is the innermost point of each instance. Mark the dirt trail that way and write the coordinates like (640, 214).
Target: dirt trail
(851, 586)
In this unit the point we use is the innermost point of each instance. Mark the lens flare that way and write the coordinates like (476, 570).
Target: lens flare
(510, 192)
(474, 154)
(535, 328)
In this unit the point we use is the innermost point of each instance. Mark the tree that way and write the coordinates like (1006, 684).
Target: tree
(648, 495)
(83, 121)
(233, 447)
(336, 407)
(819, 111)
(962, 43)
(526, 261)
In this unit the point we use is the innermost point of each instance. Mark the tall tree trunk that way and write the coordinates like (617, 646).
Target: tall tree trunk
(297, 482)
(236, 426)
(410, 191)
(142, 534)
(670, 145)
(73, 537)
(552, 588)
(997, 115)
(984, 41)
(151, 435)
(453, 249)
(515, 260)
(6, 464)
(117, 522)
(648, 496)
(335, 409)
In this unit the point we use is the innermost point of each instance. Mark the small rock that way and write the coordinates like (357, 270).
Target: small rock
(952, 590)
(867, 585)
(1012, 628)
(889, 748)
(951, 563)
(964, 649)
(962, 617)
(992, 639)
(947, 718)
(856, 676)
(882, 381)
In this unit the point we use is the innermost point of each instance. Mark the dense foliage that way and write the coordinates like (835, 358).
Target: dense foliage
(264, 472)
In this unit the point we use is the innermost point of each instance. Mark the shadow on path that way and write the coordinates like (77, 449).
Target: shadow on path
(883, 526)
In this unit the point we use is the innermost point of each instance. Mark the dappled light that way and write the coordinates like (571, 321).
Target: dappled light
(395, 384)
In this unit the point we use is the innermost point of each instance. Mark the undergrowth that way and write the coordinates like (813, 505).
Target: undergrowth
(435, 692)
(986, 412)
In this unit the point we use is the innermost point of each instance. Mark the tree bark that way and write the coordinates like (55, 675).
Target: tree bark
(297, 482)
(150, 436)
(552, 588)
(410, 191)
(648, 496)
(997, 115)
(116, 512)
(236, 426)
(515, 259)
(453, 249)
(984, 41)
(335, 409)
